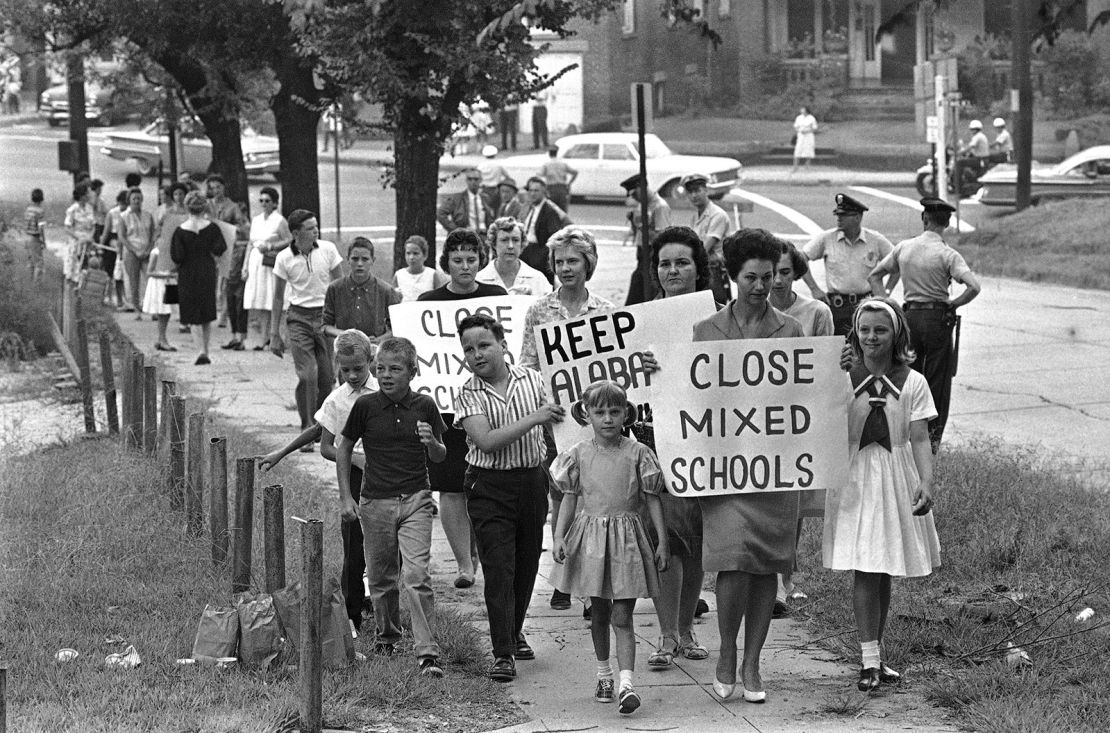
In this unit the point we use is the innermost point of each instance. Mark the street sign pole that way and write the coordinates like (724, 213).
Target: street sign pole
(941, 105)
(335, 139)
(78, 125)
(641, 132)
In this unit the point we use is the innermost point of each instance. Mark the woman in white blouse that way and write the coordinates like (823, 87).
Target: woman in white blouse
(269, 235)
(505, 239)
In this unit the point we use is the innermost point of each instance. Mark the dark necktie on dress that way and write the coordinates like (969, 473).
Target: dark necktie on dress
(875, 428)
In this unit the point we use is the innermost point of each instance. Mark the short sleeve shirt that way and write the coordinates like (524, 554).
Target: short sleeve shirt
(847, 264)
(365, 307)
(713, 222)
(524, 396)
(333, 414)
(308, 275)
(396, 460)
(547, 310)
(927, 266)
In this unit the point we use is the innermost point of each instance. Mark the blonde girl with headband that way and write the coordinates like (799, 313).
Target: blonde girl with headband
(604, 550)
(880, 525)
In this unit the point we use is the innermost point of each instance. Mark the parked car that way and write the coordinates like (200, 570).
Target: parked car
(100, 105)
(151, 146)
(604, 159)
(1085, 174)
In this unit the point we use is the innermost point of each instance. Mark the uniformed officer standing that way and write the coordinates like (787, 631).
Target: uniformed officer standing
(712, 225)
(642, 286)
(927, 265)
(850, 252)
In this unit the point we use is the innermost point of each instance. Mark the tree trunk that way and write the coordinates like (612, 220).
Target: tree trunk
(225, 135)
(221, 122)
(296, 114)
(416, 152)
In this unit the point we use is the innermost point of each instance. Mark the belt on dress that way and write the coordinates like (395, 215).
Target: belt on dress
(926, 305)
(839, 300)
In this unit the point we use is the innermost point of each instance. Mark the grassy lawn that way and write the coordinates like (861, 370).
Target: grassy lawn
(90, 555)
(1024, 552)
(1062, 242)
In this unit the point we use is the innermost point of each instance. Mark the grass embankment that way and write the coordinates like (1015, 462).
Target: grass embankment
(91, 552)
(1062, 242)
(1008, 524)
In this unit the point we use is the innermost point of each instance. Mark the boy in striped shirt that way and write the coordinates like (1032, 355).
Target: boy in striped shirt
(503, 410)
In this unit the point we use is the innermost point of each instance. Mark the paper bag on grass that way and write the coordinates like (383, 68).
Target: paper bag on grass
(259, 631)
(338, 648)
(217, 634)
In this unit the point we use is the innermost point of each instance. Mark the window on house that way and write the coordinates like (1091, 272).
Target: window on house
(724, 8)
(628, 25)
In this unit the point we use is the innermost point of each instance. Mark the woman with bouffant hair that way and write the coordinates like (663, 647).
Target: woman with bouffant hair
(194, 247)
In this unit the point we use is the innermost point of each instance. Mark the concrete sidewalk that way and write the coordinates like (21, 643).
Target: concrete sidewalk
(255, 389)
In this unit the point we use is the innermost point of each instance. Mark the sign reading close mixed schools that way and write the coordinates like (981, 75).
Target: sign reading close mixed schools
(573, 354)
(431, 326)
(752, 415)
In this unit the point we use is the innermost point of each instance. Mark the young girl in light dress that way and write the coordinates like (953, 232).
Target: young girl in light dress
(605, 552)
(416, 277)
(880, 525)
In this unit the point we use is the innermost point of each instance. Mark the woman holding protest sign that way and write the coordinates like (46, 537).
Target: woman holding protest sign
(747, 538)
(463, 256)
(681, 267)
(817, 320)
(573, 256)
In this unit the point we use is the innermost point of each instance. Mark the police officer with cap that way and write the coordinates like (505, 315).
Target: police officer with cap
(641, 286)
(927, 265)
(850, 252)
(712, 225)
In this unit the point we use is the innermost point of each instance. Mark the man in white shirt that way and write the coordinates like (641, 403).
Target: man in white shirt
(307, 267)
(712, 225)
(1003, 145)
(466, 209)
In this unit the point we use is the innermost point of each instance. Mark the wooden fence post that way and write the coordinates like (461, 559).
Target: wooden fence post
(150, 409)
(217, 498)
(273, 509)
(3, 699)
(133, 421)
(125, 389)
(244, 525)
(312, 551)
(177, 452)
(169, 389)
(85, 377)
(107, 370)
(194, 475)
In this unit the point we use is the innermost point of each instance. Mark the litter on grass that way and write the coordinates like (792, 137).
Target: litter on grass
(128, 659)
(66, 655)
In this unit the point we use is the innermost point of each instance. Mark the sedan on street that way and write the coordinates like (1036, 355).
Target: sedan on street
(150, 146)
(1083, 175)
(604, 159)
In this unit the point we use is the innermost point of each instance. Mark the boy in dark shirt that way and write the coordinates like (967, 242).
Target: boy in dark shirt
(400, 430)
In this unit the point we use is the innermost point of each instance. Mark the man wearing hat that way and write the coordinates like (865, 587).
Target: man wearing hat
(712, 225)
(927, 265)
(508, 204)
(850, 252)
(1003, 145)
(641, 286)
(492, 174)
(466, 209)
(975, 154)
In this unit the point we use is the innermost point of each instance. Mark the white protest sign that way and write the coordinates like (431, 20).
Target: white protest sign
(431, 326)
(751, 415)
(575, 353)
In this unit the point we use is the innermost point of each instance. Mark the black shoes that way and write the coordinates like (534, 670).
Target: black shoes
(503, 669)
(234, 345)
(868, 679)
(523, 650)
(560, 601)
(429, 667)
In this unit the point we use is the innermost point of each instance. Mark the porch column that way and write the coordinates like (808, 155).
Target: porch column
(818, 27)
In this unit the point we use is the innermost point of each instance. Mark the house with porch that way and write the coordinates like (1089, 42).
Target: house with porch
(636, 43)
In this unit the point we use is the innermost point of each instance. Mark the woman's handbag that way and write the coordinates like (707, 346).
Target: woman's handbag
(269, 258)
(172, 296)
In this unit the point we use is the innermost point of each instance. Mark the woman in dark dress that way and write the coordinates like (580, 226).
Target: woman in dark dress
(464, 254)
(194, 247)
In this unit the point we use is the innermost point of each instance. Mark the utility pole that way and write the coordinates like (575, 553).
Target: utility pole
(1022, 94)
(78, 125)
